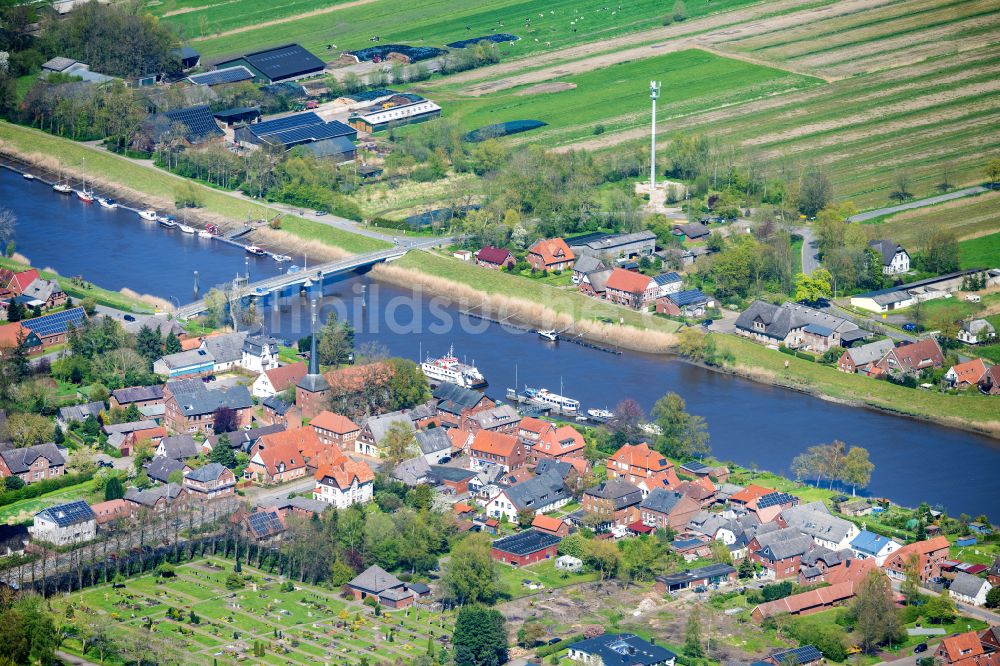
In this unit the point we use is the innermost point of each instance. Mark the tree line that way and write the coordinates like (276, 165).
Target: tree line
(834, 462)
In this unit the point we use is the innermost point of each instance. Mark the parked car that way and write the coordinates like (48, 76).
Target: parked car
(128, 317)
(706, 323)
(320, 213)
(104, 463)
(910, 327)
(921, 647)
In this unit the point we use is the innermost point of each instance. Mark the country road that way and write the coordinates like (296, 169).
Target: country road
(810, 255)
(919, 203)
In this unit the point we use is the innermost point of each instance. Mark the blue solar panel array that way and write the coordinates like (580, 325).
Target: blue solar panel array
(286, 123)
(227, 75)
(52, 324)
(198, 119)
(68, 514)
(774, 499)
(265, 523)
(688, 297)
(298, 135)
(800, 655)
(695, 466)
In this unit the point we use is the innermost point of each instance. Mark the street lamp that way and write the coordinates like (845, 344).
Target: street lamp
(654, 93)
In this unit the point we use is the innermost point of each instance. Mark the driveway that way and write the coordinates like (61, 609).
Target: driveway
(264, 496)
(810, 255)
(869, 323)
(919, 203)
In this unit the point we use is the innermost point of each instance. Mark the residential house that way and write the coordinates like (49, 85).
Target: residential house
(388, 590)
(193, 363)
(160, 469)
(242, 440)
(868, 544)
(768, 507)
(275, 461)
(967, 374)
(456, 404)
(542, 493)
(805, 603)
(929, 554)
(712, 574)
(502, 418)
(335, 430)
(52, 329)
(110, 511)
(453, 479)
(691, 302)
(342, 482)
(595, 283)
(17, 282)
(895, 259)
(434, 444)
(274, 410)
(745, 497)
(140, 396)
(815, 520)
(210, 481)
(124, 437)
(550, 254)
(64, 524)
(587, 263)
(225, 349)
(990, 383)
(157, 499)
(692, 231)
(613, 502)
(862, 359)
(260, 353)
(780, 551)
(976, 332)
(663, 508)
(46, 293)
(806, 655)
(15, 334)
(620, 650)
(667, 283)
(263, 526)
(375, 428)
(277, 380)
(32, 463)
(884, 300)
(630, 289)
(525, 548)
(550, 525)
(912, 358)
(994, 574)
(190, 405)
(531, 429)
(966, 649)
(787, 323)
(496, 449)
(564, 441)
(178, 447)
(79, 413)
(413, 472)
(969, 589)
(614, 246)
(645, 467)
(303, 507)
(495, 258)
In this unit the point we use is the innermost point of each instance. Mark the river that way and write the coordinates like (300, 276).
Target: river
(748, 422)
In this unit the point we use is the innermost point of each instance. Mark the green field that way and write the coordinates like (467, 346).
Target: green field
(307, 617)
(553, 24)
(982, 252)
(545, 573)
(617, 97)
(21, 512)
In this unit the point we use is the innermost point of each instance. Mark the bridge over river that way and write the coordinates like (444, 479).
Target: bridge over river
(305, 278)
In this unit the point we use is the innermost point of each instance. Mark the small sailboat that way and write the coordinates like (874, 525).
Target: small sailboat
(148, 214)
(205, 233)
(28, 176)
(62, 187)
(107, 203)
(256, 251)
(185, 228)
(83, 194)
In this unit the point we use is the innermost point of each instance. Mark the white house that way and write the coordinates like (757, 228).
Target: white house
(73, 522)
(225, 349)
(969, 589)
(541, 494)
(344, 483)
(895, 259)
(260, 353)
(668, 283)
(976, 331)
(620, 649)
(435, 445)
(815, 521)
(871, 545)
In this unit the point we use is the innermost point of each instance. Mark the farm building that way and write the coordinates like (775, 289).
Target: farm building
(284, 63)
(239, 115)
(324, 139)
(525, 547)
(221, 76)
(188, 57)
(638, 244)
(707, 575)
(402, 109)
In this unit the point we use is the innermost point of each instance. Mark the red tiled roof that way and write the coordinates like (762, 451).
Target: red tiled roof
(497, 443)
(493, 255)
(961, 646)
(461, 507)
(560, 441)
(750, 493)
(552, 250)
(273, 453)
(547, 523)
(918, 355)
(20, 281)
(459, 438)
(344, 472)
(12, 334)
(303, 440)
(335, 423)
(628, 281)
(110, 510)
(970, 372)
(824, 596)
(285, 376)
(534, 425)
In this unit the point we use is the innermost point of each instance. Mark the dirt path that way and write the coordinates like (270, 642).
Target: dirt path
(287, 19)
(188, 10)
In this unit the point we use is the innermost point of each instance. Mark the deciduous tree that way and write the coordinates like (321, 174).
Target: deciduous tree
(480, 637)
(471, 575)
(877, 618)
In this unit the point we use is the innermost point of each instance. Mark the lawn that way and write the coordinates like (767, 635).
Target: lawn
(308, 617)
(981, 252)
(541, 572)
(617, 97)
(554, 24)
(20, 512)
(111, 299)
(147, 180)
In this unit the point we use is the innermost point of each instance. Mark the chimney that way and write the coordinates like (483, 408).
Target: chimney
(313, 358)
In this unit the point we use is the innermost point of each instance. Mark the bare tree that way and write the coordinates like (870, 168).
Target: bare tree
(7, 222)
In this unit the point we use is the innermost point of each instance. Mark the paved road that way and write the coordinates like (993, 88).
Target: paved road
(919, 203)
(867, 323)
(810, 255)
(264, 496)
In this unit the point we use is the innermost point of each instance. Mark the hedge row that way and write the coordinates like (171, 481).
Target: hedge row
(33, 490)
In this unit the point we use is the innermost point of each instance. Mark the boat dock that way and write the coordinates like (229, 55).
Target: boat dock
(508, 322)
(536, 407)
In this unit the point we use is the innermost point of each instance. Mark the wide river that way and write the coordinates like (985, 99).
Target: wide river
(748, 422)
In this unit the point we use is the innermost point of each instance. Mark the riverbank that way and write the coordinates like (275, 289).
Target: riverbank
(543, 306)
(141, 181)
(127, 302)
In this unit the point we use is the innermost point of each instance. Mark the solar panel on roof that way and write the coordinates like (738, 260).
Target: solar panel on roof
(265, 522)
(695, 466)
(58, 322)
(311, 133)
(288, 122)
(227, 75)
(71, 513)
(774, 499)
(198, 119)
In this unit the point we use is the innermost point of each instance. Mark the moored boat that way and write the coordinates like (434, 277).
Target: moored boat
(282, 257)
(62, 188)
(204, 233)
(450, 369)
(546, 398)
(167, 221)
(186, 229)
(107, 203)
(601, 414)
(148, 214)
(28, 176)
(551, 335)
(256, 251)
(85, 195)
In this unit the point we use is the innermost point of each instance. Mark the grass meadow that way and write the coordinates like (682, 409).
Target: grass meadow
(541, 26)
(317, 626)
(983, 251)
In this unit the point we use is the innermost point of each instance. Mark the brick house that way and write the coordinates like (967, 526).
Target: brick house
(190, 405)
(275, 411)
(630, 289)
(52, 329)
(387, 589)
(210, 481)
(491, 448)
(780, 552)
(643, 466)
(32, 463)
(550, 254)
(335, 430)
(342, 482)
(557, 443)
(525, 548)
(12, 335)
(531, 429)
(863, 358)
(495, 258)
(140, 396)
(667, 508)
(928, 553)
(275, 460)
(549, 525)
(912, 358)
(456, 405)
(614, 502)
